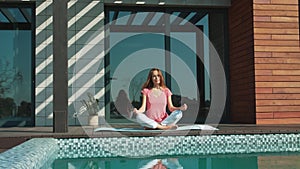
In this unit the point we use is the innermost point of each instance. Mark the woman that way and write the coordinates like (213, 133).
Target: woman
(156, 96)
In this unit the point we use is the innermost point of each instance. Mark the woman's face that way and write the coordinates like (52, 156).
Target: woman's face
(155, 78)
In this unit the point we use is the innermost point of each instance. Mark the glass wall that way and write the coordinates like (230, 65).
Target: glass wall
(177, 41)
(16, 64)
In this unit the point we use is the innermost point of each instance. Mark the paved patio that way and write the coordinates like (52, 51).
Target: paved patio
(12, 136)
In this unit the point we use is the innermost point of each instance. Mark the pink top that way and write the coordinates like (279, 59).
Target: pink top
(156, 104)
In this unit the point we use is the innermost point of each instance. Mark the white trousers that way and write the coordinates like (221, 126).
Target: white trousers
(172, 119)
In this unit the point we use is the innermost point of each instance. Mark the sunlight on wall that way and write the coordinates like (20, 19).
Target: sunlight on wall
(85, 51)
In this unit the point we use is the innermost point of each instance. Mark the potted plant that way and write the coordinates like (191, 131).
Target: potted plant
(91, 107)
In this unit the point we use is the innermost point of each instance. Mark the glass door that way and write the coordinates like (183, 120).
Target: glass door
(173, 40)
(130, 58)
(186, 70)
(17, 34)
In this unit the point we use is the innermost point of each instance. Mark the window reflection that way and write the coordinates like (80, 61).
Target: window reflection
(3, 19)
(16, 15)
(167, 163)
(177, 51)
(139, 18)
(16, 105)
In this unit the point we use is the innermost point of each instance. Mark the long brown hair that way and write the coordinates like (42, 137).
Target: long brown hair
(149, 84)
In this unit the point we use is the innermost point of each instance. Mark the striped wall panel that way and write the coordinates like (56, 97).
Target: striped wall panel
(85, 58)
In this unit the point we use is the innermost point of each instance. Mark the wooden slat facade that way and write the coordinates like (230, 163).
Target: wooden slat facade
(241, 48)
(264, 61)
(276, 61)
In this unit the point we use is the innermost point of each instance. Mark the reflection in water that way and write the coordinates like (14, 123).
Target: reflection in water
(241, 161)
(169, 163)
(166, 163)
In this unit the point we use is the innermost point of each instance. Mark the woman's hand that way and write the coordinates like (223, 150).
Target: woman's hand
(135, 111)
(183, 107)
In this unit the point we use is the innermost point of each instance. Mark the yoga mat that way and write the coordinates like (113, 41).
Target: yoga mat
(185, 127)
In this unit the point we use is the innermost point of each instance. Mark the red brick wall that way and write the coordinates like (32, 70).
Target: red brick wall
(241, 70)
(277, 61)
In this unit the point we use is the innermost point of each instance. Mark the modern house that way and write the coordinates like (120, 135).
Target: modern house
(232, 61)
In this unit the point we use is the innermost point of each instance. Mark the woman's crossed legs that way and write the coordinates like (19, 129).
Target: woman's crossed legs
(168, 123)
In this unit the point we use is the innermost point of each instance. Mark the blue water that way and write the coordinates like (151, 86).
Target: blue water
(239, 161)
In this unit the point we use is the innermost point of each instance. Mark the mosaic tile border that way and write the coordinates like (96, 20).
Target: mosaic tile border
(32, 154)
(41, 152)
(179, 145)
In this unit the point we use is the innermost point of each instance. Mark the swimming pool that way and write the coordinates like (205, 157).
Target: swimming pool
(241, 161)
(205, 151)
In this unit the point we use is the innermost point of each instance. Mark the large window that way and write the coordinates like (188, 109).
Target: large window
(177, 41)
(16, 64)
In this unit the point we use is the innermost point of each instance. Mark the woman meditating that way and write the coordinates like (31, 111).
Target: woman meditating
(156, 96)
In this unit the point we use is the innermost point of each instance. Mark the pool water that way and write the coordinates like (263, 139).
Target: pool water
(237, 161)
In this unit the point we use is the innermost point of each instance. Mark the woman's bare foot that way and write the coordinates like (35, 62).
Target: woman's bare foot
(167, 127)
(163, 127)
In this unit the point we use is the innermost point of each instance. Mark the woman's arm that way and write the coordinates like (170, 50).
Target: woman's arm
(173, 108)
(143, 107)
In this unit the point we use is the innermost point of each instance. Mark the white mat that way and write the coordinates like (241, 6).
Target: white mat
(186, 127)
